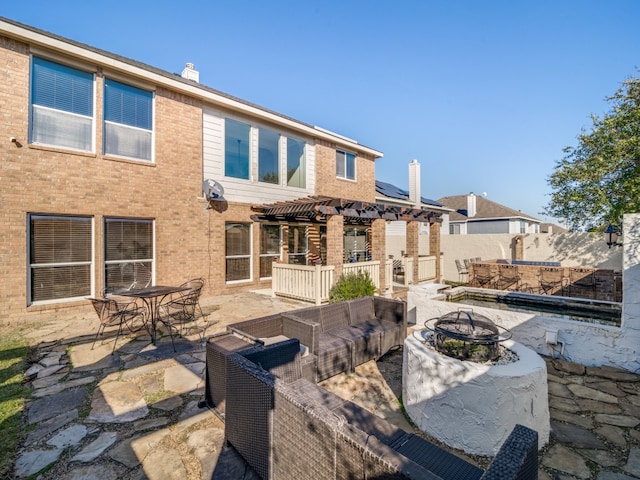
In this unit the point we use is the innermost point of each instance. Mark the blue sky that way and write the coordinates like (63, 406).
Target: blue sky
(485, 94)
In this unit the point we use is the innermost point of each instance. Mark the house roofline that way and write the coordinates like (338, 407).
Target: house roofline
(138, 70)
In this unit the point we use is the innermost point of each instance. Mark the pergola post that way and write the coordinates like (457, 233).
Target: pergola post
(379, 248)
(335, 244)
(434, 247)
(413, 243)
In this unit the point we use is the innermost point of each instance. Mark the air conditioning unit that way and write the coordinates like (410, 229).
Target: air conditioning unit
(212, 190)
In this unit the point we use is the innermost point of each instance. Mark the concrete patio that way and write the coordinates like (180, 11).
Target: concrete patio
(134, 414)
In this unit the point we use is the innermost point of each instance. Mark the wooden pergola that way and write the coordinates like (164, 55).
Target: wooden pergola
(316, 209)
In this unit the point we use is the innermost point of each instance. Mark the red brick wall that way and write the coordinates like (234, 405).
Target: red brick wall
(363, 189)
(57, 181)
(606, 287)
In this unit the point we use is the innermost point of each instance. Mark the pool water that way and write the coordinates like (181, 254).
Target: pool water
(584, 310)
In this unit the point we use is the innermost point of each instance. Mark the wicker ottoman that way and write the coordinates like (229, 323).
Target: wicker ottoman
(219, 347)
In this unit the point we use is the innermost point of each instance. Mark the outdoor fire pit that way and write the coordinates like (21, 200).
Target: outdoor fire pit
(467, 384)
(467, 335)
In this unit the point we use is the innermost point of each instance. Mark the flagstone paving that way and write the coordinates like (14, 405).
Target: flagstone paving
(135, 414)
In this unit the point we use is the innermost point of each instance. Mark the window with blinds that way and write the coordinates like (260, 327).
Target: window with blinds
(60, 253)
(128, 121)
(238, 251)
(128, 250)
(61, 106)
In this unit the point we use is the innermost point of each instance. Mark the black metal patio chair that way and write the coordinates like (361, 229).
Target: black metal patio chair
(111, 313)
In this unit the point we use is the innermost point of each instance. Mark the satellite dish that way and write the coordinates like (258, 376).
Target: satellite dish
(212, 190)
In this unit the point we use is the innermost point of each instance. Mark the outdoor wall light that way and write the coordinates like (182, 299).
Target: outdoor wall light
(613, 235)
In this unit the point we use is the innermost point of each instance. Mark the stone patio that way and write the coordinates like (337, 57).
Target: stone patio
(134, 414)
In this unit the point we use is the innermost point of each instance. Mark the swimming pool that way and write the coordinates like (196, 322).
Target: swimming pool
(580, 309)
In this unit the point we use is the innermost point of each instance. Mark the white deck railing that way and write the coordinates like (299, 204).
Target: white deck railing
(312, 283)
(372, 268)
(308, 283)
(426, 268)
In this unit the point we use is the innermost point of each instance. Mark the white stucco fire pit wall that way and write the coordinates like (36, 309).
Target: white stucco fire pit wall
(471, 406)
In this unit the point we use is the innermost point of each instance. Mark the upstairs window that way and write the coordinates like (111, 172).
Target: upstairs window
(236, 149)
(296, 163)
(345, 165)
(60, 253)
(128, 253)
(128, 121)
(61, 106)
(268, 156)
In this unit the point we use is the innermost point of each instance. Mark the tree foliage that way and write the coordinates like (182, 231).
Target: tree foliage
(598, 181)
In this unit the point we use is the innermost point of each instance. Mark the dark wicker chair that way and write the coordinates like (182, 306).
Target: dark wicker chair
(111, 313)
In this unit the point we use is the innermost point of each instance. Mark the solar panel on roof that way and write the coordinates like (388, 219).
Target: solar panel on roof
(392, 191)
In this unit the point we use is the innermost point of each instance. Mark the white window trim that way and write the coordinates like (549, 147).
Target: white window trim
(31, 266)
(71, 64)
(355, 166)
(250, 256)
(280, 249)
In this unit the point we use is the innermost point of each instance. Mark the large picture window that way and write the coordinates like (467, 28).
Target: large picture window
(61, 106)
(269, 248)
(298, 244)
(345, 165)
(128, 253)
(296, 163)
(128, 121)
(236, 149)
(60, 253)
(238, 251)
(268, 156)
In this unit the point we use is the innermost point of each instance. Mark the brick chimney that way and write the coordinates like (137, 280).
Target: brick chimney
(414, 183)
(190, 73)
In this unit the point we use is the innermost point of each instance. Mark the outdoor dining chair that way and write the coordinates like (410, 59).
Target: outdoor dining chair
(551, 280)
(111, 313)
(582, 282)
(482, 276)
(185, 306)
(463, 271)
(508, 278)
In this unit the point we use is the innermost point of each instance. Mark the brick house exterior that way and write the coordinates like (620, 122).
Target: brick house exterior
(188, 236)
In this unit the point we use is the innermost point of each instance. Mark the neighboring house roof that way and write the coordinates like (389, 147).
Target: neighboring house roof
(132, 68)
(485, 210)
(387, 190)
(555, 228)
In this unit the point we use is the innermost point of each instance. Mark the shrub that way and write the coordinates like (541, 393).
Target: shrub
(352, 285)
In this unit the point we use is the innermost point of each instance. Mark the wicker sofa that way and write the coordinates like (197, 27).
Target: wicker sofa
(338, 337)
(287, 427)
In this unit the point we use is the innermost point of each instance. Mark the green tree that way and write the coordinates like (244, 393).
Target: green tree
(599, 180)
